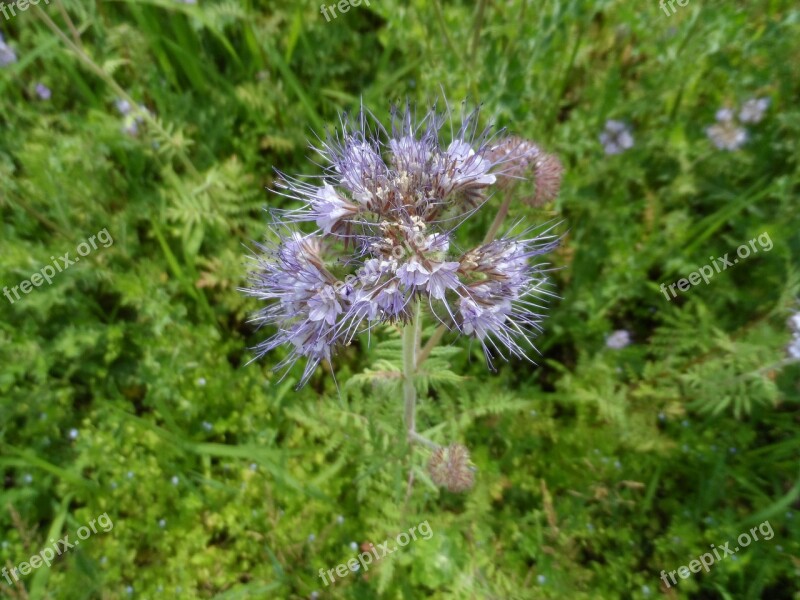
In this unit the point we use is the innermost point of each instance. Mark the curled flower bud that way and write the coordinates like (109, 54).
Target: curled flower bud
(449, 468)
(520, 156)
(548, 172)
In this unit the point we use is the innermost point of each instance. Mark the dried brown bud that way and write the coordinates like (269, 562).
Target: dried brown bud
(449, 468)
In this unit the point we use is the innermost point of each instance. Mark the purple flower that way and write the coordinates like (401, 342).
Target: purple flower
(386, 211)
(463, 169)
(724, 115)
(412, 274)
(442, 277)
(331, 208)
(618, 340)
(753, 110)
(616, 138)
(794, 323)
(7, 55)
(123, 106)
(43, 91)
(727, 135)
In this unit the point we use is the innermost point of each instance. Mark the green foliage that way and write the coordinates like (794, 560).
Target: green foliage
(596, 469)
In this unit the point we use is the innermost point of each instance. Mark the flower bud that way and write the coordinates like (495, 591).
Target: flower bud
(449, 468)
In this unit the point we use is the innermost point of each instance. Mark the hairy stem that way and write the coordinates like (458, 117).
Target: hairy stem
(76, 37)
(410, 332)
(421, 439)
(430, 344)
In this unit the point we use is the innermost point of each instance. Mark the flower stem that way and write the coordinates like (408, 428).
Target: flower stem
(431, 344)
(421, 439)
(498, 220)
(410, 332)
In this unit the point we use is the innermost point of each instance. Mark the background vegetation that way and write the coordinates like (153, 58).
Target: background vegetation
(124, 384)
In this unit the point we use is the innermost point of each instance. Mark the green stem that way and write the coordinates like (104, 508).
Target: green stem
(409, 371)
(476, 28)
(431, 344)
(498, 219)
(421, 439)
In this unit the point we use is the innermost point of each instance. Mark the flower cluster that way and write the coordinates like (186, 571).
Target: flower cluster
(793, 349)
(387, 212)
(616, 137)
(726, 133)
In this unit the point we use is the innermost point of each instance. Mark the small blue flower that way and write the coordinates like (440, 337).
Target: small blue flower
(541, 579)
(123, 106)
(616, 138)
(793, 349)
(618, 340)
(43, 91)
(753, 110)
(726, 133)
(7, 55)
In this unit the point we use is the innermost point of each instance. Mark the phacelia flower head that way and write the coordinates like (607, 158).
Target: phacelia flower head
(727, 135)
(7, 54)
(753, 110)
(388, 212)
(616, 137)
(618, 340)
(43, 91)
